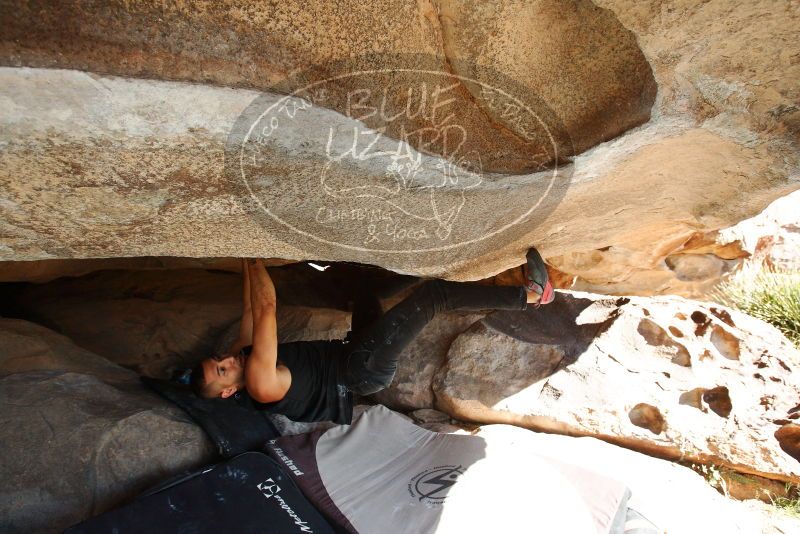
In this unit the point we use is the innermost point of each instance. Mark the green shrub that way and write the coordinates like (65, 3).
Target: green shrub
(769, 294)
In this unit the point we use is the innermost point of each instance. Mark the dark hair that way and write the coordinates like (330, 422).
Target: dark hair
(198, 380)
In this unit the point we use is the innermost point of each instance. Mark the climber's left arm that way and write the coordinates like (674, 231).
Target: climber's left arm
(246, 325)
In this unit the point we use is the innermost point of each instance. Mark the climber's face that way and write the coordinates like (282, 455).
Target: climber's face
(224, 375)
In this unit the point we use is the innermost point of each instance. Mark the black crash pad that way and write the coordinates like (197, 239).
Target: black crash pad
(249, 493)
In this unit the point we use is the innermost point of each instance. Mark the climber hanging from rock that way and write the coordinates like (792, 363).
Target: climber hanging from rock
(315, 380)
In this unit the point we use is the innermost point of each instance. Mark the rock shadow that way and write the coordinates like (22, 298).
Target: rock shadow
(536, 343)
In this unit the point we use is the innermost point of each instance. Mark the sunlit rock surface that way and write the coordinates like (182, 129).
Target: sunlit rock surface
(771, 238)
(665, 376)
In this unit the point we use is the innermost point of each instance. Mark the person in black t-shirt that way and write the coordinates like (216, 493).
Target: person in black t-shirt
(315, 380)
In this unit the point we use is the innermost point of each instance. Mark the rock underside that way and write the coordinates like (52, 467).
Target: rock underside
(683, 120)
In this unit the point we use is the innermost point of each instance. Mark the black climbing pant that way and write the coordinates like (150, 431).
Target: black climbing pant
(370, 357)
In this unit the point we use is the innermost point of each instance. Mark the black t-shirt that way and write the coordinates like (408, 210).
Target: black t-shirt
(317, 392)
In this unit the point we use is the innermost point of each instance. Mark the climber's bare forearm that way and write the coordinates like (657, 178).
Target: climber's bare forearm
(245, 337)
(262, 290)
(246, 328)
(264, 379)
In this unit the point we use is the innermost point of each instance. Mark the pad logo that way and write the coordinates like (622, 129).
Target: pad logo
(287, 461)
(269, 488)
(432, 485)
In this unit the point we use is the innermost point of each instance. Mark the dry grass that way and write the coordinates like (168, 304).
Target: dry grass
(768, 294)
(788, 505)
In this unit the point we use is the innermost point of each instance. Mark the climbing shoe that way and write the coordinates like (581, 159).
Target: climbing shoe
(536, 278)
